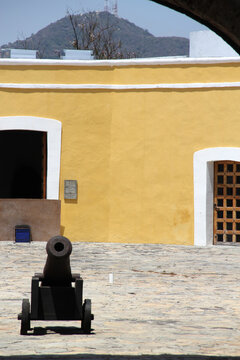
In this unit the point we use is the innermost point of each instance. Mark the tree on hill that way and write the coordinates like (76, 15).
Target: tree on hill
(90, 33)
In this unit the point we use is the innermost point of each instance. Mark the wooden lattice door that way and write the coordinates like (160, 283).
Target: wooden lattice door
(226, 202)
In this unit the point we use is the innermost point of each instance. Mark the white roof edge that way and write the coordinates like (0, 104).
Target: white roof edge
(122, 62)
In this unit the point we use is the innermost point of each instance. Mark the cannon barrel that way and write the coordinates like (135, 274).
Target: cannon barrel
(57, 270)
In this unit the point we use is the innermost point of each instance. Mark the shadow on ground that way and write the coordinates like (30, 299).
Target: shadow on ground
(119, 357)
(61, 330)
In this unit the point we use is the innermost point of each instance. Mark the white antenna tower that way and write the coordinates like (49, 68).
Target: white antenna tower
(106, 7)
(115, 8)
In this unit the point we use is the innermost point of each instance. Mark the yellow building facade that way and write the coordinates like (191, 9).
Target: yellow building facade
(139, 137)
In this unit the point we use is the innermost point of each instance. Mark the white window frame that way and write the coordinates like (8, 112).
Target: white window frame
(204, 190)
(53, 129)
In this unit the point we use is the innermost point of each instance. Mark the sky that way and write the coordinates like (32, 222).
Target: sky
(21, 18)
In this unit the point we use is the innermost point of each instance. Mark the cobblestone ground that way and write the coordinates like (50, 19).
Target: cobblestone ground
(176, 300)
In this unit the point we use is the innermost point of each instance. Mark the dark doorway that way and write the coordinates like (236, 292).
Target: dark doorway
(23, 164)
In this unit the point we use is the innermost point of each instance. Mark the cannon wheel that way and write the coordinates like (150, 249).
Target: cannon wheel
(87, 317)
(25, 317)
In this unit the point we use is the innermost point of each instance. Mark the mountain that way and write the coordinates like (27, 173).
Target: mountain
(59, 35)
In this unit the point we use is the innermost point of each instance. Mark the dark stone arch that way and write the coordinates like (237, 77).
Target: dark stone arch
(222, 16)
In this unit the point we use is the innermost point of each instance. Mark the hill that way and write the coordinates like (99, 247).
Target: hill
(59, 35)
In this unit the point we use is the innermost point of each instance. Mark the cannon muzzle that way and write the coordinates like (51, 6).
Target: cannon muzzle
(57, 270)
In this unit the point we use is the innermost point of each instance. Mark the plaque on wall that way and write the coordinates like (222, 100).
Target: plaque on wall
(70, 189)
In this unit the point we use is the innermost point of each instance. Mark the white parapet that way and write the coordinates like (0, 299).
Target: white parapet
(18, 53)
(208, 44)
(77, 55)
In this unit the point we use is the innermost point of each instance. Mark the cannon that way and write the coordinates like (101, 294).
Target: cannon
(56, 293)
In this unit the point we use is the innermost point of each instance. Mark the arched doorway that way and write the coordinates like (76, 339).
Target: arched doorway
(205, 183)
(52, 128)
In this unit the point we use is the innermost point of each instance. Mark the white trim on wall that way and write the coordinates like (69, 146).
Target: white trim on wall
(121, 62)
(53, 130)
(120, 87)
(204, 190)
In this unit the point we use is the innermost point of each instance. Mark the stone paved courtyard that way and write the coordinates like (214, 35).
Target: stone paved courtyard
(177, 300)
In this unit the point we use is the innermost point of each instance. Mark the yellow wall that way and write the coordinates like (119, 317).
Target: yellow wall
(131, 151)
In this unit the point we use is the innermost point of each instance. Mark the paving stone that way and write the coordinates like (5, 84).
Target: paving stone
(164, 299)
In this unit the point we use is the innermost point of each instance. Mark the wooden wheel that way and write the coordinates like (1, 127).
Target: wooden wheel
(25, 317)
(87, 317)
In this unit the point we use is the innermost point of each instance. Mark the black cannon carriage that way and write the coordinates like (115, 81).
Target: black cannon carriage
(53, 295)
